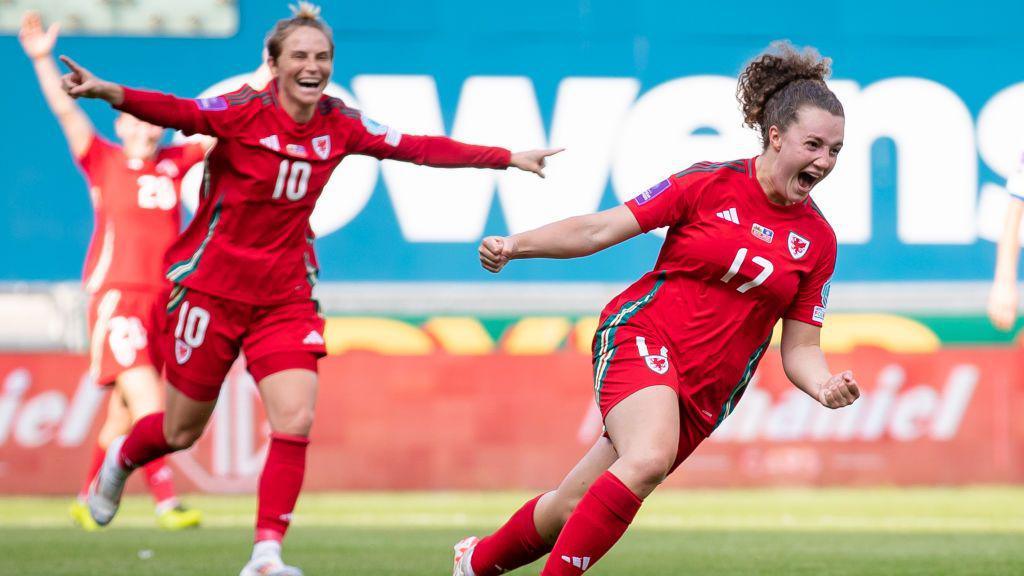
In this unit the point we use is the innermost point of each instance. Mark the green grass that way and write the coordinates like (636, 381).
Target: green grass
(843, 532)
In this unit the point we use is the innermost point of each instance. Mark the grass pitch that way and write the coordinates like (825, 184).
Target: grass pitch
(791, 532)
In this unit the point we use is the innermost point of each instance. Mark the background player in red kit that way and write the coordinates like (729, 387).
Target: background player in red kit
(746, 246)
(135, 190)
(245, 267)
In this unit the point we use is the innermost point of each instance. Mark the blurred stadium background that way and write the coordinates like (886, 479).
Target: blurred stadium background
(447, 380)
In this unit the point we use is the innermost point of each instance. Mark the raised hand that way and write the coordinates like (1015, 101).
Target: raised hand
(533, 160)
(495, 252)
(839, 390)
(34, 41)
(80, 83)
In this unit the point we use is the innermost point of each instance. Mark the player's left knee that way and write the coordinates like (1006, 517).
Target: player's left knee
(650, 467)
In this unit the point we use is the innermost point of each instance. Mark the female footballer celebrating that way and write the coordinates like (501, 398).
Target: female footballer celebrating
(244, 269)
(746, 247)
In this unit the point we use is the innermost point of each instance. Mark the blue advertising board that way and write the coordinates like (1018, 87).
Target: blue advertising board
(934, 95)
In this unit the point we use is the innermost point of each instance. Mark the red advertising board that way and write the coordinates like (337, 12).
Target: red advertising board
(442, 421)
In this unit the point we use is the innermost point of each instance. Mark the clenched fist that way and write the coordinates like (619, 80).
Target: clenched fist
(495, 252)
(839, 390)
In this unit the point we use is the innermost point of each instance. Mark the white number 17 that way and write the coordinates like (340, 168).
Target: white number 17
(766, 270)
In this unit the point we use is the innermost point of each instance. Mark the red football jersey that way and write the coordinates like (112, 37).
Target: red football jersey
(733, 263)
(250, 239)
(136, 213)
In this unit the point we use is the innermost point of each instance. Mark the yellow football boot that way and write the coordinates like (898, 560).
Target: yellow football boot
(80, 516)
(179, 518)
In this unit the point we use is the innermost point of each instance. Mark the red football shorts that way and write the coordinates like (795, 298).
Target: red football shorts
(120, 323)
(200, 336)
(629, 358)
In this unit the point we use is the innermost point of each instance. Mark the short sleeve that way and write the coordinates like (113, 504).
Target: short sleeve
(666, 203)
(812, 294)
(97, 150)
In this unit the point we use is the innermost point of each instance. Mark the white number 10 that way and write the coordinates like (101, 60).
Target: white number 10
(297, 176)
(766, 270)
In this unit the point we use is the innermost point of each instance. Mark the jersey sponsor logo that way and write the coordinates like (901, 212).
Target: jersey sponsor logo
(322, 146)
(182, 351)
(798, 245)
(762, 233)
(296, 150)
(271, 142)
(819, 314)
(215, 104)
(729, 215)
(652, 192)
(658, 363)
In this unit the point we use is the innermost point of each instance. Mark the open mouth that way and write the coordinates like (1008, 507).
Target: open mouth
(308, 83)
(807, 180)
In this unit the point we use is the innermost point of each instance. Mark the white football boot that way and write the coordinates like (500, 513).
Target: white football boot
(266, 561)
(463, 554)
(105, 493)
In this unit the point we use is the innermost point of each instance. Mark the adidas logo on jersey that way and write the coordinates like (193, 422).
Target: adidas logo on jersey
(271, 142)
(581, 563)
(729, 215)
(313, 338)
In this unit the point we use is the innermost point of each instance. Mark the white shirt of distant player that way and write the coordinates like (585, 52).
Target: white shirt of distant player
(994, 200)
(346, 192)
(1015, 183)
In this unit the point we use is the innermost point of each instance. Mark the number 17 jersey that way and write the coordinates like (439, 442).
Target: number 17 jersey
(733, 263)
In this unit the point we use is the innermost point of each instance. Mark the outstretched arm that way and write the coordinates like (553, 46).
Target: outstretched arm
(806, 368)
(569, 238)
(210, 116)
(1002, 300)
(383, 142)
(38, 45)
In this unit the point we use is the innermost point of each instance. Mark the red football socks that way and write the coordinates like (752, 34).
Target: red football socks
(515, 544)
(280, 483)
(145, 442)
(160, 480)
(94, 466)
(598, 522)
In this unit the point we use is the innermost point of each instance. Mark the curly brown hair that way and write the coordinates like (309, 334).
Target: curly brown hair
(304, 14)
(773, 87)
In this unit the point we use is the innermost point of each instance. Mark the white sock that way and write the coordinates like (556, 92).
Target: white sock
(266, 548)
(467, 563)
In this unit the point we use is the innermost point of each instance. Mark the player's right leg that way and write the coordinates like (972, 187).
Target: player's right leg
(199, 336)
(533, 529)
(116, 423)
(153, 436)
(143, 391)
